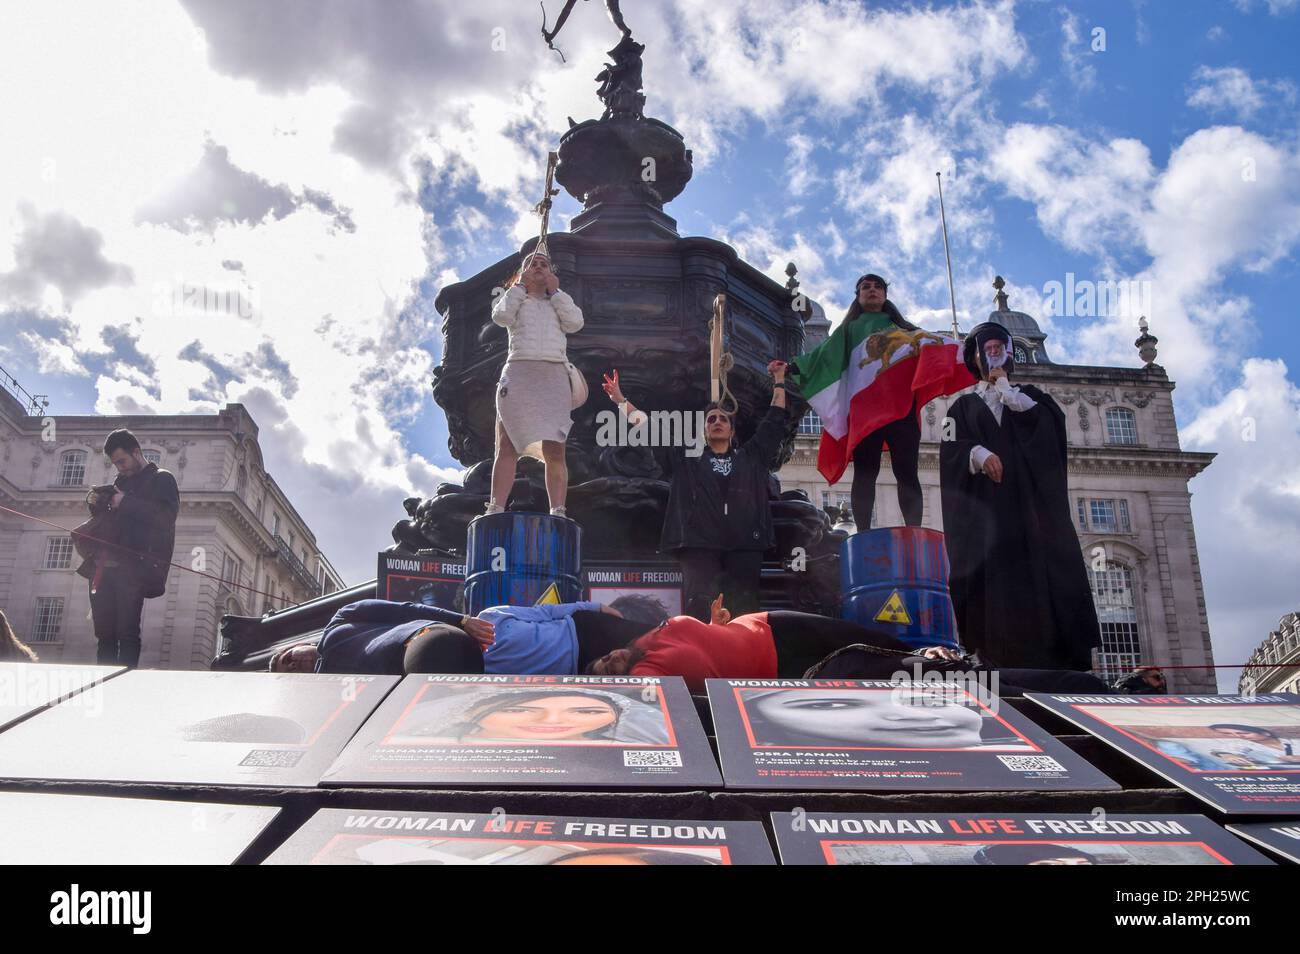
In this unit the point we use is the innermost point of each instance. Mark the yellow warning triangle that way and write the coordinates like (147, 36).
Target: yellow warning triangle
(550, 598)
(894, 611)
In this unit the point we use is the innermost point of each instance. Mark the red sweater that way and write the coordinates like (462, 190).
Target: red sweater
(742, 649)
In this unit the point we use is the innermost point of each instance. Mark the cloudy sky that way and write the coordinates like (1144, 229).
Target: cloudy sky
(324, 167)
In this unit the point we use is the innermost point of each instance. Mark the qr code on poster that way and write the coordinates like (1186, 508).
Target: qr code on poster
(1031, 763)
(652, 759)
(272, 758)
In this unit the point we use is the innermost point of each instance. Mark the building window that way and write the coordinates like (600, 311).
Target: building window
(275, 524)
(49, 619)
(232, 571)
(1102, 515)
(1107, 515)
(72, 469)
(241, 480)
(153, 457)
(58, 553)
(1121, 645)
(811, 424)
(1121, 426)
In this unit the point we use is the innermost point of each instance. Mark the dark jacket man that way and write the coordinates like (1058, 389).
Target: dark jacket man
(147, 525)
(144, 505)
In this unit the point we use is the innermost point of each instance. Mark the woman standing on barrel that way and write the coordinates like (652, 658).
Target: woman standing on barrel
(534, 396)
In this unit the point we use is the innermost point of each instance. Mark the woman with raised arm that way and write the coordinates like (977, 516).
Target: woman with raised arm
(718, 522)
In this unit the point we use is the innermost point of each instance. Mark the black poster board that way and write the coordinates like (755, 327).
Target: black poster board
(340, 836)
(534, 731)
(1240, 754)
(861, 734)
(26, 688)
(1282, 838)
(996, 839)
(211, 728)
(647, 592)
(428, 580)
(41, 829)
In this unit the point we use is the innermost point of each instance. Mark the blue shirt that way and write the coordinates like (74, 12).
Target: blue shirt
(369, 636)
(533, 640)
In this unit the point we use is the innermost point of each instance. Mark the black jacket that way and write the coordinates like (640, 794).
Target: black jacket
(147, 524)
(698, 517)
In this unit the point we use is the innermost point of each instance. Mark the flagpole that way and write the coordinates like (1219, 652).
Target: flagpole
(952, 296)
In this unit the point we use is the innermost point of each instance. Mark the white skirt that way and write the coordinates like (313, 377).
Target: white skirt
(534, 404)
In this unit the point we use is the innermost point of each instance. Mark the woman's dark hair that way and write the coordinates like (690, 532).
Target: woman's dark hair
(120, 439)
(717, 406)
(889, 308)
(1027, 854)
(649, 856)
(641, 608)
(505, 700)
(13, 649)
(1258, 730)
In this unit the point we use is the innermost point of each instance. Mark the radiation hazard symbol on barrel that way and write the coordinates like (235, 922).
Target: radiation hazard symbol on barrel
(894, 611)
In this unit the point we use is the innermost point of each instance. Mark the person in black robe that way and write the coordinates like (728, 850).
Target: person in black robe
(1017, 578)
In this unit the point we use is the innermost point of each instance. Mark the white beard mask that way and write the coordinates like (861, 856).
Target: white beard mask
(997, 362)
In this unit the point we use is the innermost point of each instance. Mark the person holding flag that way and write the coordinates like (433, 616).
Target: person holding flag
(867, 382)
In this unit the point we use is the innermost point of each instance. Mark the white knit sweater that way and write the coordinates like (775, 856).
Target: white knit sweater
(537, 326)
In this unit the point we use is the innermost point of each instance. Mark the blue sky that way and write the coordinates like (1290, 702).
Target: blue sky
(334, 166)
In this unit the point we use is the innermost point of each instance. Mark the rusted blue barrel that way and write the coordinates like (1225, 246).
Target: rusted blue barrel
(514, 558)
(896, 578)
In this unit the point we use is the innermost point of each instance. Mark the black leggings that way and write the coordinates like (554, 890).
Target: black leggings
(733, 573)
(904, 437)
(803, 640)
(442, 648)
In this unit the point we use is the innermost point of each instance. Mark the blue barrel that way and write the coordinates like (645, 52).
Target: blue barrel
(896, 578)
(514, 558)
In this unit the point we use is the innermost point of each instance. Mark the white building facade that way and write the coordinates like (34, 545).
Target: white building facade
(1274, 666)
(246, 548)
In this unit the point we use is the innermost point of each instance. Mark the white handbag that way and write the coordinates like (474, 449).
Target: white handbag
(577, 385)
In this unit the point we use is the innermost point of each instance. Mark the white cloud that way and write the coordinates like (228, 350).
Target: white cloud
(1087, 195)
(1076, 54)
(1277, 8)
(1231, 90)
(800, 171)
(1247, 508)
(888, 184)
(53, 251)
